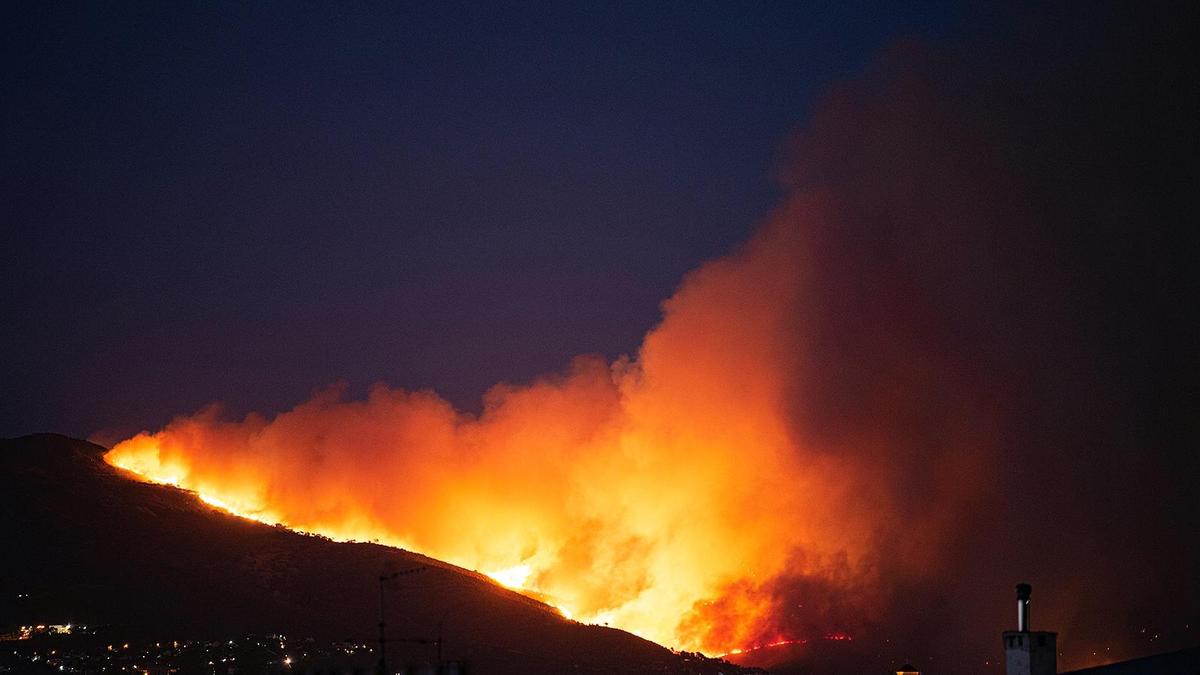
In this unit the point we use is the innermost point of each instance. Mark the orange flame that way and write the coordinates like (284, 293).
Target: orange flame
(667, 495)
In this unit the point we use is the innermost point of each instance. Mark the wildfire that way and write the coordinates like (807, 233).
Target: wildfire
(672, 494)
(768, 645)
(139, 455)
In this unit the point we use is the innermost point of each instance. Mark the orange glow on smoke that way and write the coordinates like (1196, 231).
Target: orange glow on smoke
(667, 494)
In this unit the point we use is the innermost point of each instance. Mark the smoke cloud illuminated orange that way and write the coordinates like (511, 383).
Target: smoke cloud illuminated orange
(953, 359)
(666, 494)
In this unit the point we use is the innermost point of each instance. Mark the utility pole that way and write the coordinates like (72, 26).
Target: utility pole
(382, 621)
(439, 660)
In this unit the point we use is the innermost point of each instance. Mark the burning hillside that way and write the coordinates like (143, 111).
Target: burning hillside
(141, 563)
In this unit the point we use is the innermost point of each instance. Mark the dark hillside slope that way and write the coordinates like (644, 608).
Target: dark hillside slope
(88, 544)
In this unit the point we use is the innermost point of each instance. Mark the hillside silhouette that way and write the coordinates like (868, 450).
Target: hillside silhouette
(89, 543)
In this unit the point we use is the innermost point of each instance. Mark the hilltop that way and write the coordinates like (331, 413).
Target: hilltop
(90, 543)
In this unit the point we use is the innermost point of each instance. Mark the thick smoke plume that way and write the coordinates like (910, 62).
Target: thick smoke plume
(665, 494)
(863, 421)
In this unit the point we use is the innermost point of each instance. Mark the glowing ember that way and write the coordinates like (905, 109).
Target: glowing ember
(513, 577)
(768, 645)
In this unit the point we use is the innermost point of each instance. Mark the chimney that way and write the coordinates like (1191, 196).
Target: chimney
(1027, 652)
(1023, 591)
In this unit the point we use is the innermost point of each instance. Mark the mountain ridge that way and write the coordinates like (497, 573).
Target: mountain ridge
(94, 544)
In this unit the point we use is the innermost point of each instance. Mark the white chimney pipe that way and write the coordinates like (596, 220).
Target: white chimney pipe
(1023, 591)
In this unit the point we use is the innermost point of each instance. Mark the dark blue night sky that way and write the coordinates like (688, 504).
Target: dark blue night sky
(217, 201)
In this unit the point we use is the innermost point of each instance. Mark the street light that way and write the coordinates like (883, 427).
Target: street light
(382, 637)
